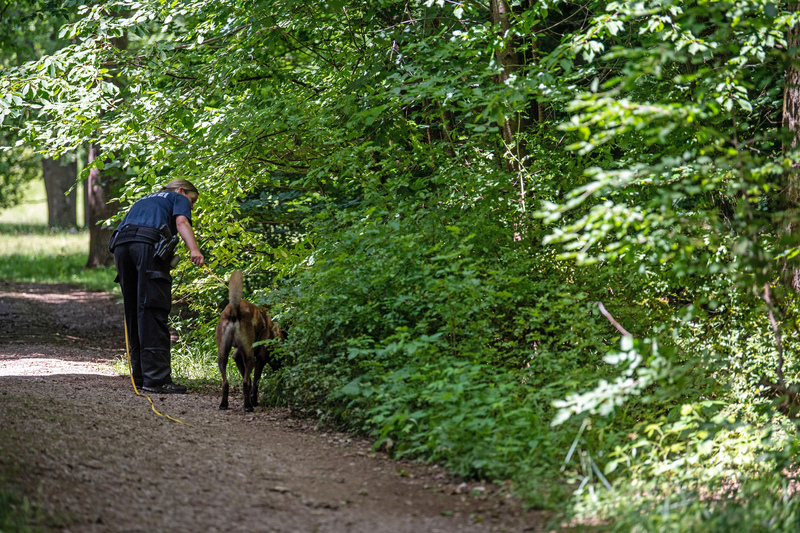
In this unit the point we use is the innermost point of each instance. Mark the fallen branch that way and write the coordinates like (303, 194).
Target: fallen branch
(613, 322)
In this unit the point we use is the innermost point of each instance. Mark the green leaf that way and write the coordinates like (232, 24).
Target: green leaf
(352, 389)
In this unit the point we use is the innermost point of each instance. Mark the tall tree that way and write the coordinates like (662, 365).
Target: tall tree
(790, 225)
(60, 177)
(99, 208)
(508, 57)
(101, 184)
(26, 33)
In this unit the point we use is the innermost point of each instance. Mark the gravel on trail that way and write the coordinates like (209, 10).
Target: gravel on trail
(92, 456)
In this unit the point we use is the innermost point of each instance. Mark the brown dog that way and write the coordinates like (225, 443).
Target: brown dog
(242, 324)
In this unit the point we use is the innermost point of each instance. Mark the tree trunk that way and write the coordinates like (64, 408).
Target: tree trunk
(98, 209)
(791, 122)
(100, 185)
(86, 213)
(58, 179)
(536, 109)
(508, 57)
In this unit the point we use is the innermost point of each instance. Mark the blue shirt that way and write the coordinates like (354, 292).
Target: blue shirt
(158, 209)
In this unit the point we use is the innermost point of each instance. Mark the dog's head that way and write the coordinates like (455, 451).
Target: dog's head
(278, 332)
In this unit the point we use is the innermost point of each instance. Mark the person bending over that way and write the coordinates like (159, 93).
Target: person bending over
(143, 246)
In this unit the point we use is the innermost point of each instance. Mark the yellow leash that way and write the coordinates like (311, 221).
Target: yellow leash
(130, 372)
(212, 273)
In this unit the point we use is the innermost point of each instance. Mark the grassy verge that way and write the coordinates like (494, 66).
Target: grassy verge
(33, 253)
(33, 209)
(16, 514)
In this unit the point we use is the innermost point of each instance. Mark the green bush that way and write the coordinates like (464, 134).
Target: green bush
(432, 332)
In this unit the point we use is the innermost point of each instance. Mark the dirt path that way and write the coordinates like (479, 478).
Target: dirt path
(93, 457)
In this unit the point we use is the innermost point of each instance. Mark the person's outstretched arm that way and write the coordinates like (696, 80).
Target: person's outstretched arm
(187, 234)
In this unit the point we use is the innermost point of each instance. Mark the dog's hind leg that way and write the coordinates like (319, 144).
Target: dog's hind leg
(238, 358)
(223, 348)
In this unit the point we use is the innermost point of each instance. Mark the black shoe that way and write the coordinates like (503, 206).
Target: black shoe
(166, 388)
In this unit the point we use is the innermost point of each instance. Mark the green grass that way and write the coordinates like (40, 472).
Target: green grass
(194, 355)
(32, 252)
(16, 514)
(33, 209)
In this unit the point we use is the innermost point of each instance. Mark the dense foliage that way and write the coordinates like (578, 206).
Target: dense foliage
(442, 201)
(26, 32)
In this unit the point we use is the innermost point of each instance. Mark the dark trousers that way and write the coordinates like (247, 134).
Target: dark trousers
(147, 296)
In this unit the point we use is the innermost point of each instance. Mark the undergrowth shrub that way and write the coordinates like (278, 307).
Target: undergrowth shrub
(438, 335)
(717, 447)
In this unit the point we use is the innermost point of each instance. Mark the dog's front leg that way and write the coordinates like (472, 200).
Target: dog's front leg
(260, 362)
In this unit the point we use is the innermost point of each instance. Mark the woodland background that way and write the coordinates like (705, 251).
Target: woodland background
(553, 243)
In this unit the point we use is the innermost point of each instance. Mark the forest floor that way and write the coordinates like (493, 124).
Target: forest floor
(91, 455)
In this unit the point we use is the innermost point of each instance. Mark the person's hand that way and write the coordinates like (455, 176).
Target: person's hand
(187, 234)
(197, 258)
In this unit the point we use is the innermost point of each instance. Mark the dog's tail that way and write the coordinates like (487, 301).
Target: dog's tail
(235, 292)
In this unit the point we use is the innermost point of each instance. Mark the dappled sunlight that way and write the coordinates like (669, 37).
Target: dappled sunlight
(54, 297)
(50, 366)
